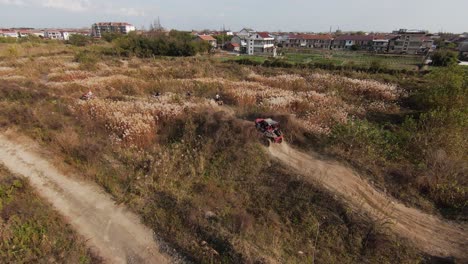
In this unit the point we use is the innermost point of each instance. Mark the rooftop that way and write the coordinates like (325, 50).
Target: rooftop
(464, 47)
(311, 36)
(264, 34)
(113, 24)
(207, 37)
(355, 37)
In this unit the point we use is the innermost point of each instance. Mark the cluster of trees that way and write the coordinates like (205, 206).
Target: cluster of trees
(174, 43)
(444, 58)
(79, 40)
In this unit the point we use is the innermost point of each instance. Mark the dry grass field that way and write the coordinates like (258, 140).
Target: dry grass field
(196, 172)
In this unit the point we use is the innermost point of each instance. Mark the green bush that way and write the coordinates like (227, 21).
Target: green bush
(7, 40)
(79, 40)
(444, 58)
(87, 59)
(177, 43)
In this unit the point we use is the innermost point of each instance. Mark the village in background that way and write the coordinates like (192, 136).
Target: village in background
(252, 42)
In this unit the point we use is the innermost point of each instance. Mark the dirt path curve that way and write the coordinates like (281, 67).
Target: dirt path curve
(431, 234)
(116, 234)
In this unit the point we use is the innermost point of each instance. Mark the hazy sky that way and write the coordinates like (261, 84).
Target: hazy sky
(272, 15)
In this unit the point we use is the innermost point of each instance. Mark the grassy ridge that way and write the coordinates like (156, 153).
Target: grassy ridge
(31, 232)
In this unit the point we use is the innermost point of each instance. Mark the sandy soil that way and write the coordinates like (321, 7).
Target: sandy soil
(116, 234)
(429, 233)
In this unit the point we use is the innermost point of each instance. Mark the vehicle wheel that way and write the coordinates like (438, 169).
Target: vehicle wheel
(266, 142)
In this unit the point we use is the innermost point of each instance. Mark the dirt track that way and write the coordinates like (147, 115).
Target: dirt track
(116, 234)
(430, 233)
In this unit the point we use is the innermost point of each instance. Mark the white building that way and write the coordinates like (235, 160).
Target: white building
(8, 33)
(53, 34)
(245, 33)
(260, 43)
(98, 29)
(31, 32)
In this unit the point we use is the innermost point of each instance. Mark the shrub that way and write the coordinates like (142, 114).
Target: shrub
(444, 58)
(79, 40)
(176, 44)
(87, 59)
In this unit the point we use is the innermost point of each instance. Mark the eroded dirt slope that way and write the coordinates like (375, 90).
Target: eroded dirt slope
(430, 233)
(116, 234)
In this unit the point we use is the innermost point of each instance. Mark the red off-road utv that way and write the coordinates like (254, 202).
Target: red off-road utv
(270, 129)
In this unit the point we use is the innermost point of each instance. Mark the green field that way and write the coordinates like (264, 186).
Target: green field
(345, 58)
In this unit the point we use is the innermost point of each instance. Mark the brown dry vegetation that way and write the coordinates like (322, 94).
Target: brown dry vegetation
(200, 178)
(31, 231)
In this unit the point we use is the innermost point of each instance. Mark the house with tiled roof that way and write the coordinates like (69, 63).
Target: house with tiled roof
(9, 33)
(311, 41)
(234, 47)
(260, 43)
(245, 33)
(353, 42)
(381, 42)
(241, 38)
(207, 38)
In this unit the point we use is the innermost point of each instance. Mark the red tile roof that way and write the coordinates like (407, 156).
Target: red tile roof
(264, 34)
(7, 31)
(207, 37)
(355, 37)
(311, 36)
(384, 36)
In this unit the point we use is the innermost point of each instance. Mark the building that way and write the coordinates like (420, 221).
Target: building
(353, 42)
(98, 29)
(9, 33)
(66, 34)
(410, 42)
(309, 41)
(241, 42)
(31, 32)
(380, 43)
(281, 39)
(245, 33)
(241, 38)
(53, 34)
(207, 38)
(260, 43)
(463, 49)
(234, 47)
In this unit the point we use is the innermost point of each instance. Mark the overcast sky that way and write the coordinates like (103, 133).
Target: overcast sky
(271, 15)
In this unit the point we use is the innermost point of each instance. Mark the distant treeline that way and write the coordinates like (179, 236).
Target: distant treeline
(174, 43)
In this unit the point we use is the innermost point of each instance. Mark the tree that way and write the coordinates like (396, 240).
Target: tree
(110, 36)
(444, 58)
(78, 40)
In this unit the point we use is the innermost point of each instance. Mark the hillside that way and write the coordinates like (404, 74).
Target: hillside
(197, 174)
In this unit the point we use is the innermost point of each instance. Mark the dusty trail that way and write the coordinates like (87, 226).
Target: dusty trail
(116, 234)
(430, 233)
